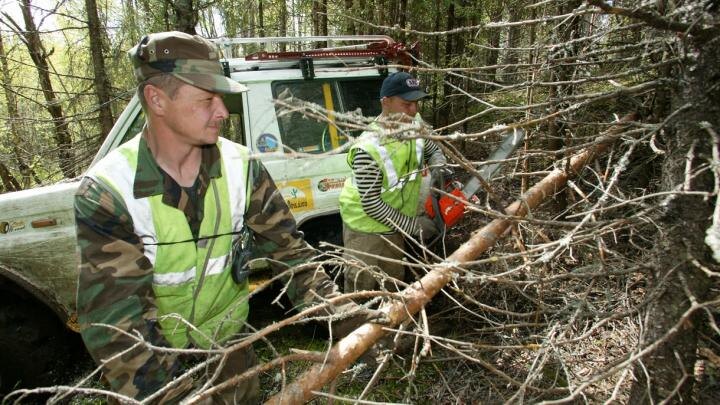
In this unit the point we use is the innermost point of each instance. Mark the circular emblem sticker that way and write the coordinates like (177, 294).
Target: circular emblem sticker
(266, 143)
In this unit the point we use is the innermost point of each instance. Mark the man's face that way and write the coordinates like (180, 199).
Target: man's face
(196, 115)
(399, 109)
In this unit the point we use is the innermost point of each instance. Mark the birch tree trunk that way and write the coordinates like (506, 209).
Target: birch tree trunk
(28, 174)
(62, 137)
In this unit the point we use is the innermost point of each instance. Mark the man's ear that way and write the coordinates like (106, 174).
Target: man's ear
(384, 103)
(155, 98)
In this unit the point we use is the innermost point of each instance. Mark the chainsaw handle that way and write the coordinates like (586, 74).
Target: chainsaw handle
(439, 223)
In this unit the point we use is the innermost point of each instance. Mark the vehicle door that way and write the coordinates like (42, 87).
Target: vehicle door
(314, 167)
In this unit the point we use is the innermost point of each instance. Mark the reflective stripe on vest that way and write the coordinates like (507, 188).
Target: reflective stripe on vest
(208, 299)
(393, 181)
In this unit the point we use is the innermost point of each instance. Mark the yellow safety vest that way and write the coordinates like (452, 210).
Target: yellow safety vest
(192, 281)
(400, 162)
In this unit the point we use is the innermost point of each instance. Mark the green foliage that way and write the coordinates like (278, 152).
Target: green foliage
(452, 35)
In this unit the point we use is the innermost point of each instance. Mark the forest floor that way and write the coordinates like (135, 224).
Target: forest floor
(479, 356)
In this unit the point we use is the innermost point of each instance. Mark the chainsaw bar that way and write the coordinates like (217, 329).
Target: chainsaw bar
(508, 146)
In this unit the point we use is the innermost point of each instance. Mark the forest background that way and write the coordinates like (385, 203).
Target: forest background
(607, 293)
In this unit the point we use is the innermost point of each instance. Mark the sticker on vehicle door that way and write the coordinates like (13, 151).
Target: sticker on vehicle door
(297, 194)
(266, 143)
(7, 227)
(331, 184)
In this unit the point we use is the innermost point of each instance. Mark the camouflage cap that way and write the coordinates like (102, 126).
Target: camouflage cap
(191, 58)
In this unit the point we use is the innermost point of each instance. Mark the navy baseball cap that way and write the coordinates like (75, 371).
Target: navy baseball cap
(402, 84)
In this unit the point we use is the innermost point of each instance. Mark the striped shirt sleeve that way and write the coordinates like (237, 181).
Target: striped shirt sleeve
(432, 155)
(368, 180)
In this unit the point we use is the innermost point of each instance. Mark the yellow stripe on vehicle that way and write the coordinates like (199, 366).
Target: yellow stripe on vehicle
(327, 94)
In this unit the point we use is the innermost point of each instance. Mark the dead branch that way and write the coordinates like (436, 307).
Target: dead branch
(412, 299)
(656, 21)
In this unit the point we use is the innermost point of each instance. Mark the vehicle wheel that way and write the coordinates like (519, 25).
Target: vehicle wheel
(325, 229)
(35, 348)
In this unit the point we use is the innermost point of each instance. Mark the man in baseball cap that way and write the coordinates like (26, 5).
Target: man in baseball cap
(379, 203)
(403, 85)
(190, 58)
(164, 224)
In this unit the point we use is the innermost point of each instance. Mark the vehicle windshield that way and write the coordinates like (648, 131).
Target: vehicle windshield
(308, 135)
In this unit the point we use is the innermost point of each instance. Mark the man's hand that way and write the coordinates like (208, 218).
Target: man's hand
(425, 227)
(439, 174)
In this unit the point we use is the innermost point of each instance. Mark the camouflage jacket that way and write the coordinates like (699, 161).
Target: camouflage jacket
(115, 281)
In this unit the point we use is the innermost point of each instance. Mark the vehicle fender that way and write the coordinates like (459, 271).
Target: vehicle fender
(304, 218)
(10, 278)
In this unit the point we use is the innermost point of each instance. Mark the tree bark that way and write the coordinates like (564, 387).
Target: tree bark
(446, 107)
(402, 13)
(391, 8)
(559, 73)
(511, 56)
(249, 24)
(493, 54)
(261, 19)
(185, 16)
(282, 26)
(16, 133)
(437, 85)
(402, 19)
(100, 77)
(454, 48)
(62, 137)
(666, 374)
(379, 12)
(365, 14)
(323, 17)
(8, 180)
(319, 20)
(130, 11)
(349, 24)
(315, 17)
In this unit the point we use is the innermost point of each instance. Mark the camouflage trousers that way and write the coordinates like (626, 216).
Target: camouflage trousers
(248, 390)
(390, 246)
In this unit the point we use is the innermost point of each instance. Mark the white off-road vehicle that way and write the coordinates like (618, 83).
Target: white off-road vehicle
(340, 75)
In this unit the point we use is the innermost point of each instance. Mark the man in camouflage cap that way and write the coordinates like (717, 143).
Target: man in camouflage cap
(190, 58)
(163, 224)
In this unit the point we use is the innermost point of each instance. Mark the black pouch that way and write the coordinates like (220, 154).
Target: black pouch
(241, 253)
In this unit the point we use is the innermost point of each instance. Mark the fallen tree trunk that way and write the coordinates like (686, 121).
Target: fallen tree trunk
(414, 298)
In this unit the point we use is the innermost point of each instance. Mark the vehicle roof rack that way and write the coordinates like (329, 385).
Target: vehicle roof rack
(243, 54)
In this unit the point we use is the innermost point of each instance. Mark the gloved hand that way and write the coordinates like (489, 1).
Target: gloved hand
(425, 227)
(439, 173)
(353, 315)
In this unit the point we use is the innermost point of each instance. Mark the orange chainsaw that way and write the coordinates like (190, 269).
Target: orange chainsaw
(452, 209)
